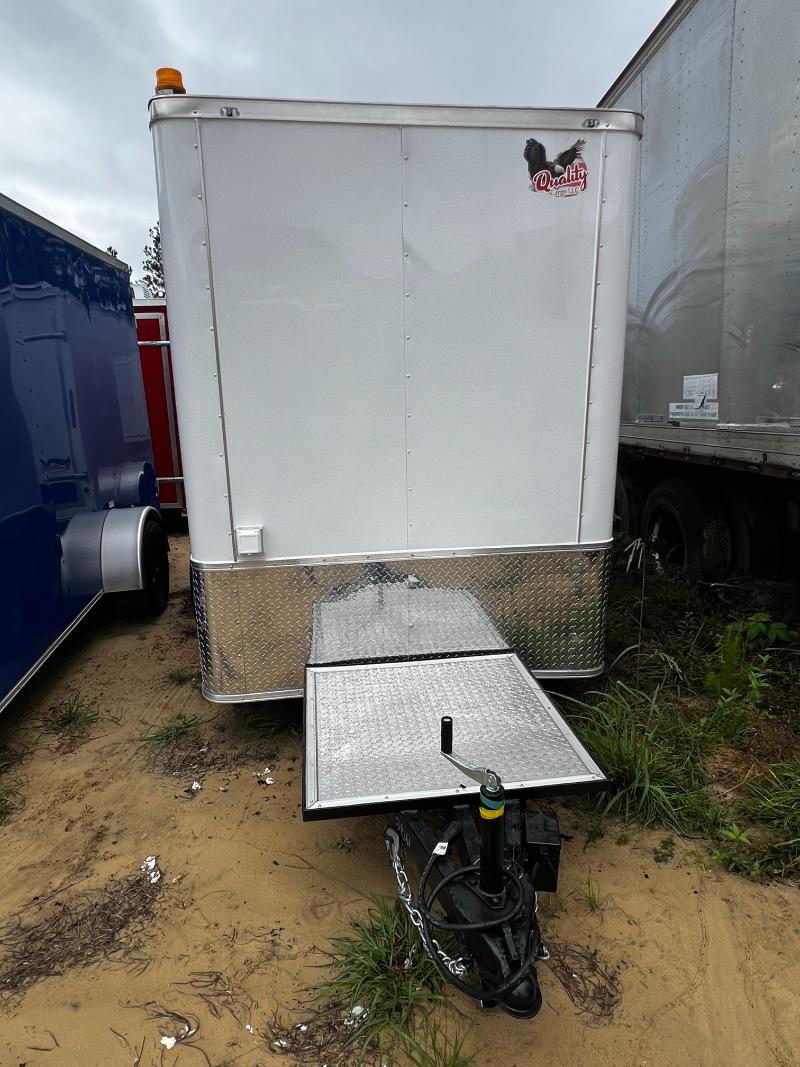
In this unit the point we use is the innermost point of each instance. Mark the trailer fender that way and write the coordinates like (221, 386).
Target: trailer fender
(123, 560)
(80, 554)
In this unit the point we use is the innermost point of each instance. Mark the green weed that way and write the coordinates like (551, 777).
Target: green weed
(686, 679)
(656, 776)
(383, 968)
(436, 1048)
(761, 630)
(343, 844)
(665, 853)
(594, 833)
(730, 721)
(736, 852)
(271, 718)
(180, 725)
(9, 802)
(773, 801)
(590, 897)
(179, 677)
(72, 715)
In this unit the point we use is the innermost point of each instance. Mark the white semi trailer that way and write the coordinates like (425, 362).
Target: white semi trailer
(710, 435)
(397, 337)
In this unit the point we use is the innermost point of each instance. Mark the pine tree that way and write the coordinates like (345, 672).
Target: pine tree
(153, 266)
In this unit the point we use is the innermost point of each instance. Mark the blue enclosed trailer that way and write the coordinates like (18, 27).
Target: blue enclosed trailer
(78, 495)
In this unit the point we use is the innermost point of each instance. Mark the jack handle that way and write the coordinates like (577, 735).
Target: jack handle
(489, 779)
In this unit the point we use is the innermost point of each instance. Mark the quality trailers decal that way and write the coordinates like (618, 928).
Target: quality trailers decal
(566, 175)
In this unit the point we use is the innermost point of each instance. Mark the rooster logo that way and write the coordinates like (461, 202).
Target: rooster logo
(565, 175)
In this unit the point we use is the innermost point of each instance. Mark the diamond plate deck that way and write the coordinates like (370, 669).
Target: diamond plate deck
(372, 734)
(400, 620)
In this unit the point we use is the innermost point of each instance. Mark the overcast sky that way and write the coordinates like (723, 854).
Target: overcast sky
(77, 74)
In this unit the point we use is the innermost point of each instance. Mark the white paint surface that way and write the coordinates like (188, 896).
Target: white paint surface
(414, 350)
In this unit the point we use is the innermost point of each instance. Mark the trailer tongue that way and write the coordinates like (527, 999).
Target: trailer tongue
(379, 735)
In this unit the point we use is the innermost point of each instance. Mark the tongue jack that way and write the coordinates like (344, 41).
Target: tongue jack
(491, 811)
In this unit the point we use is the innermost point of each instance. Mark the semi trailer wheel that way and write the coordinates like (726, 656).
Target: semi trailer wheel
(688, 528)
(628, 503)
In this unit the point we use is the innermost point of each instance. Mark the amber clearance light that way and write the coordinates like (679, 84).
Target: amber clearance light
(169, 80)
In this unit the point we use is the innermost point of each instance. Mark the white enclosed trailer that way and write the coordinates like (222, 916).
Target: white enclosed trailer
(398, 366)
(397, 344)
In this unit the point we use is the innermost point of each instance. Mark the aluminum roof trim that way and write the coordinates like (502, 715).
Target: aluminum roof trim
(379, 114)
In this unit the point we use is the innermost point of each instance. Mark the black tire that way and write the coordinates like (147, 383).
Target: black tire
(687, 526)
(628, 504)
(756, 524)
(153, 598)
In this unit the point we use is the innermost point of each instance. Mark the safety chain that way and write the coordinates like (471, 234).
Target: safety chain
(392, 838)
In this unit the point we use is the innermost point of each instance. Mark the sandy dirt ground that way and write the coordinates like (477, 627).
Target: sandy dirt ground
(709, 964)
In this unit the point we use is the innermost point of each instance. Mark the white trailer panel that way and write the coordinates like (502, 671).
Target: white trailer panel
(390, 343)
(304, 233)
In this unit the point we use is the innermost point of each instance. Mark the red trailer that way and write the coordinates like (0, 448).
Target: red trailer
(152, 329)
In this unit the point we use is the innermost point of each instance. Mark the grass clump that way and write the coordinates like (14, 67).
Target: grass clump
(656, 777)
(179, 677)
(274, 717)
(436, 1048)
(772, 800)
(171, 730)
(696, 693)
(590, 897)
(73, 715)
(9, 802)
(665, 853)
(382, 968)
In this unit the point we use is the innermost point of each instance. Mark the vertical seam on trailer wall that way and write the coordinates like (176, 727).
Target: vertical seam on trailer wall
(214, 327)
(592, 327)
(638, 352)
(727, 221)
(403, 250)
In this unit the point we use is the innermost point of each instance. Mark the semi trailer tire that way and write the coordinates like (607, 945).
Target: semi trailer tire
(628, 505)
(688, 529)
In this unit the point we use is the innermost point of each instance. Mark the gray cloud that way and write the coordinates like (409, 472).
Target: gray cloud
(77, 74)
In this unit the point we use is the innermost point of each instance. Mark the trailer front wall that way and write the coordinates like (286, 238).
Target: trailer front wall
(389, 345)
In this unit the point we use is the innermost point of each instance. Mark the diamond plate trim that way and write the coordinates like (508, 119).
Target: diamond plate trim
(255, 624)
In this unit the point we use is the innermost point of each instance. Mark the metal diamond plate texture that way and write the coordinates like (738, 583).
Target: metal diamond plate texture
(372, 733)
(259, 626)
(400, 618)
